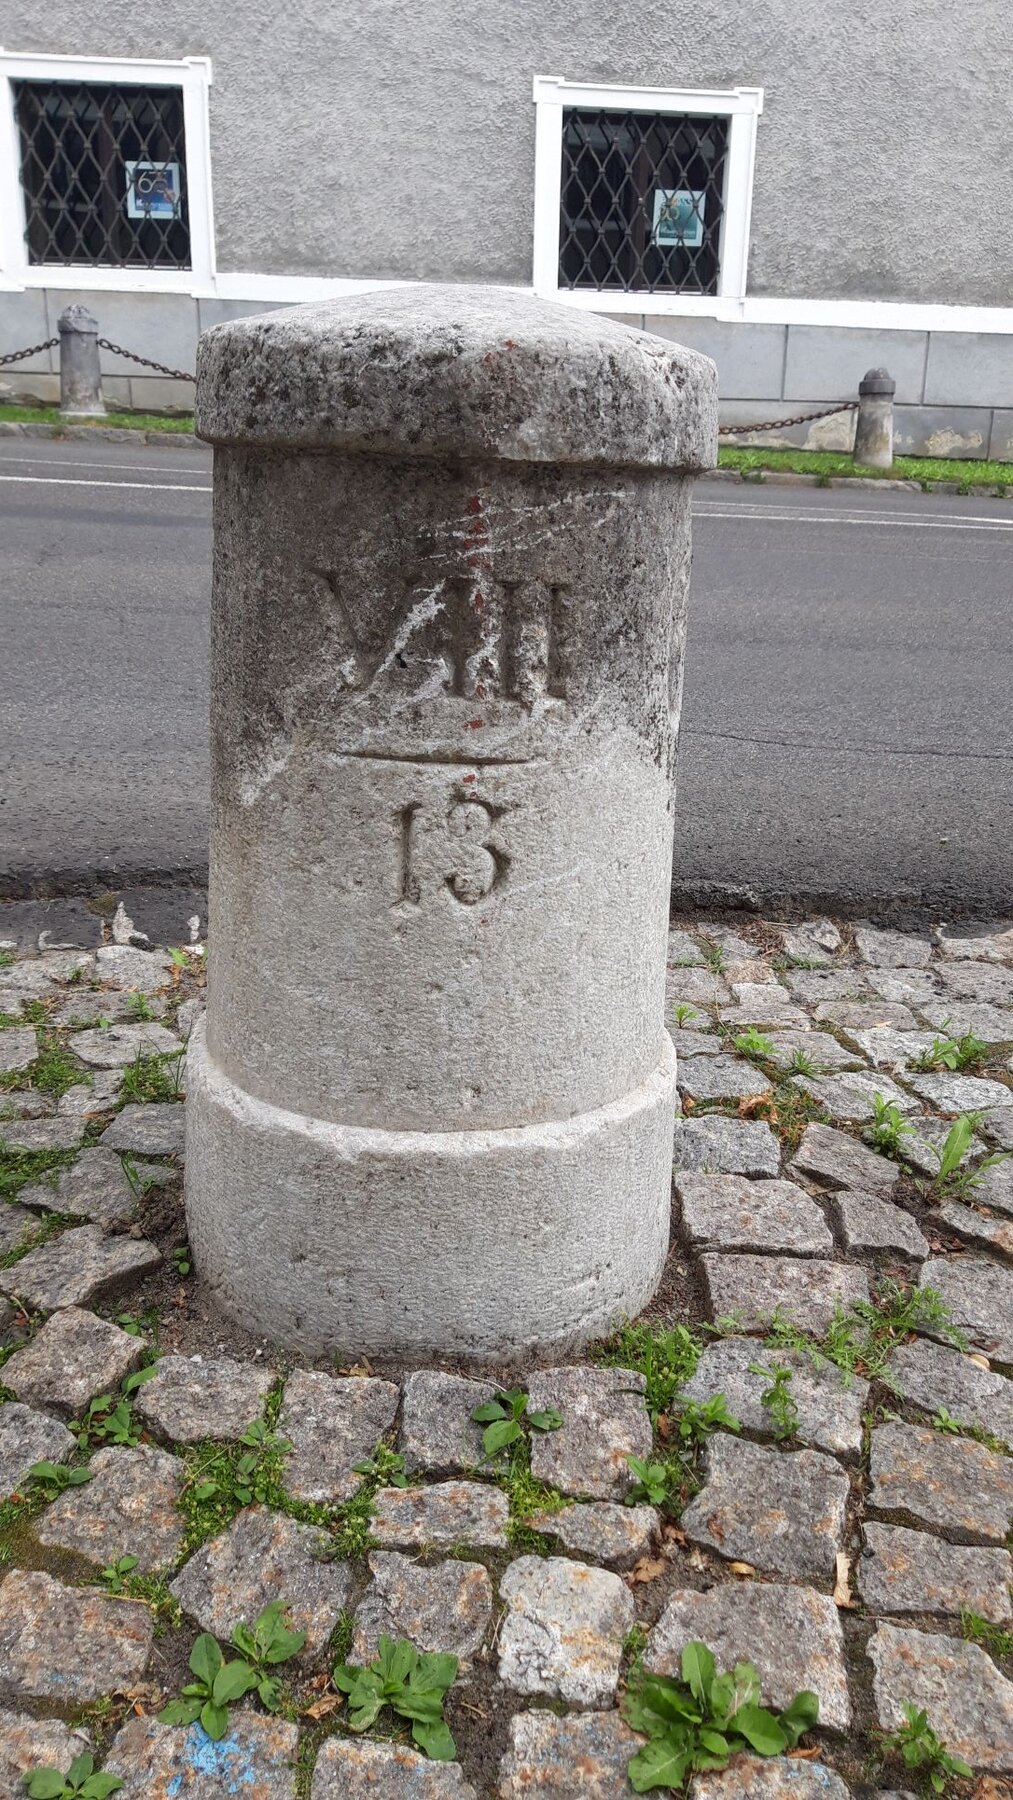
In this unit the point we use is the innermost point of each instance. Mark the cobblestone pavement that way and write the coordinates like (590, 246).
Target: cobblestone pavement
(822, 1387)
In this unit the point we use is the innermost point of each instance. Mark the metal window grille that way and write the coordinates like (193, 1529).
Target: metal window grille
(103, 170)
(642, 201)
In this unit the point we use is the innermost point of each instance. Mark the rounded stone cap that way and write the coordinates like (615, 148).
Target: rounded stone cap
(461, 372)
(76, 317)
(877, 381)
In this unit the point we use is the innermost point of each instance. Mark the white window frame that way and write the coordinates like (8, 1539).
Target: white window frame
(193, 75)
(741, 106)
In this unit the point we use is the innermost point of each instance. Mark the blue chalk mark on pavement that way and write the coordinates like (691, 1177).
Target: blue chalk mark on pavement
(228, 1761)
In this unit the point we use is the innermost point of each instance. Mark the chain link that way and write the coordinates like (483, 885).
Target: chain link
(782, 424)
(14, 356)
(145, 361)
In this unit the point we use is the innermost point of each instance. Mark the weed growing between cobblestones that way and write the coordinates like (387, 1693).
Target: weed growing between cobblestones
(264, 1645)
(702, 1720)
(777, 1400)
(144, 1324)
(667, 1359)
(153, 1078)
(923, 1752)
(109, 1418)
(967, 1052)
(52, 1072)
(668, 1481)
(504, 1418)
(219, 1684)
(996, 1639)
(753, 1043)
(19, 1168)
(79, 1782)
(684, 1013)
(140, 1180)
(952, 1181)
(860, 1337)
(386, 1469)
(528, 1499)
(36, 1493)
(51, 1479)
(154, 1591)
(181, 1260)
(657, 1483)
(223, 1478)
(115, 1573)
(887, 1129)
(694, 1421)
(413, 1685)
(943, 1421)
(788, 1110)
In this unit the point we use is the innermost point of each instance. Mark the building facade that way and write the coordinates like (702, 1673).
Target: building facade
(803, 191)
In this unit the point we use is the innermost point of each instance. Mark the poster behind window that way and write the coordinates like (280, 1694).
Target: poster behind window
(153, 190)
(678, 218)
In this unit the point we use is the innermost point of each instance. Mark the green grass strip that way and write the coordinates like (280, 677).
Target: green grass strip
(130, 421)
(969, 474)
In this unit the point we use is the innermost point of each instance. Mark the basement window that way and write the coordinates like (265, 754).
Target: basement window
(642, 194)
(105, 177)
(103, 174)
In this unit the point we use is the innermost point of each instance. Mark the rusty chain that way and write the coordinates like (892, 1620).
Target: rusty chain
(145, 361)
(782, 424)
(14, 356)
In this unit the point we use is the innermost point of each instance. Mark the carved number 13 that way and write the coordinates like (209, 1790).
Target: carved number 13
(457, 849)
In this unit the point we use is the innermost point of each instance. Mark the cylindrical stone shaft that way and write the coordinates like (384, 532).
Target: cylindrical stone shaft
(874, 424)
(80, 371)
(433, 1107)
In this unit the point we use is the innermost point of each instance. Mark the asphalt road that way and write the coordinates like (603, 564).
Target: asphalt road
(848, 720)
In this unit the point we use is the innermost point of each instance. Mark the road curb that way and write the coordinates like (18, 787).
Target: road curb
(891, 484)
(102, 434)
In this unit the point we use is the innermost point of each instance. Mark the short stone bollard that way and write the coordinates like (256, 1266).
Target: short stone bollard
(80, 373)
(874, 424)
(433, 1108)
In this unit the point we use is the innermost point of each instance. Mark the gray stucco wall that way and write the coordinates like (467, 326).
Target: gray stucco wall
(392, 138)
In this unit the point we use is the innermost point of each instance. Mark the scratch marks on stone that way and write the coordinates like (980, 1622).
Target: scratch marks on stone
(422, 613)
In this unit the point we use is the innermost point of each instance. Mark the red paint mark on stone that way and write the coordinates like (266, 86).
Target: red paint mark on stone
(477, 537)
(469, 778)
(474, 724)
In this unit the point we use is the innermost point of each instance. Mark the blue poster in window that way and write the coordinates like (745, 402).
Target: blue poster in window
(152, 190)
(678, 218)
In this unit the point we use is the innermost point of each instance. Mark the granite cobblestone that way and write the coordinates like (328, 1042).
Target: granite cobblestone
(784, 1209)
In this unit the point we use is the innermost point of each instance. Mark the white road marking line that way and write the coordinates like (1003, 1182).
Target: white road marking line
(902, 520)
(704, 510)
(125, 468)
(154, 487)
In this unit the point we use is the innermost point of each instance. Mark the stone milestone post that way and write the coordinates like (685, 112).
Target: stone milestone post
(874, 424)
(433, 1108)
(80, 374)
